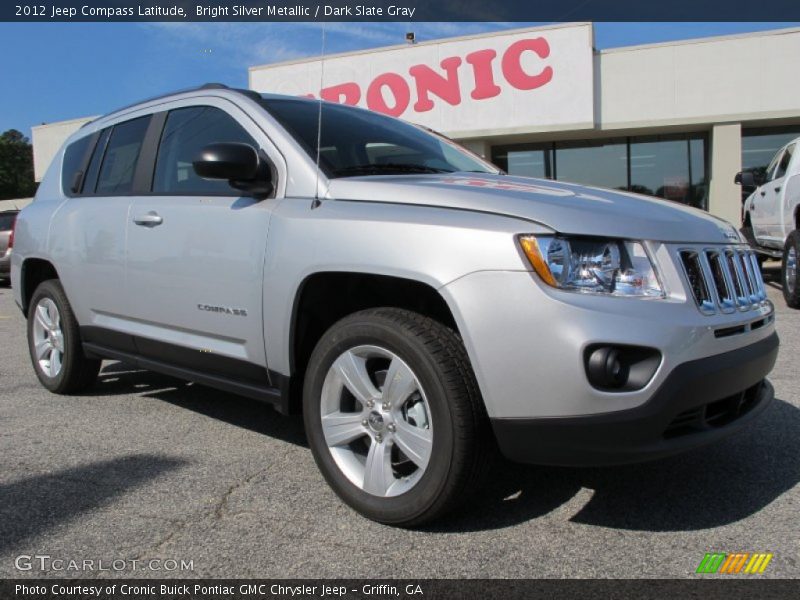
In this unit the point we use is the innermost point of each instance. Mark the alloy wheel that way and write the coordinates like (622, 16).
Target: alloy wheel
(376, 421)
(48, 337)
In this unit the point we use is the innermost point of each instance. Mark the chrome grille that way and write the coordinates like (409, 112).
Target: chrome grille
(723, 279)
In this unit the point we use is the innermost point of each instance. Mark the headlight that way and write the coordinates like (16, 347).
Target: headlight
(593, 266)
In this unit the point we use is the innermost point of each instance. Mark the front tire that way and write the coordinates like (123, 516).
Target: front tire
(394, 417)
(789, 280)
(54, 342)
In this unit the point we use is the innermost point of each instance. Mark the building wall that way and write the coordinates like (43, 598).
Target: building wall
(47, 139)
(491, 84)
(17, 204)
(726, 161)
(708, 81)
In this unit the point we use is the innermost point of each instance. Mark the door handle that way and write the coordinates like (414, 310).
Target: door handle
(151, 219)
(763, 193)
(778, 189)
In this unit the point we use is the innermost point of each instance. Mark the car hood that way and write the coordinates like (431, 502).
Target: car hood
(566, 208)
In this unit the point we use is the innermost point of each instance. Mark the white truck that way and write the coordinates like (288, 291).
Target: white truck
(771, 215)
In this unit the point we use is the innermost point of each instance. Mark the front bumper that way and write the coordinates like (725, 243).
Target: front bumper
(701, 401)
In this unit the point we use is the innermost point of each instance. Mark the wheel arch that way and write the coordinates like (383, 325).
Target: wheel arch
(325, 297)
(33, 272)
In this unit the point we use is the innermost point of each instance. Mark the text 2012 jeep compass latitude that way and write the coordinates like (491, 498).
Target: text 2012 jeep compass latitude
(417, 304)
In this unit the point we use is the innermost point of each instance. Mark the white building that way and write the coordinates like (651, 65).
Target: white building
(677, 119)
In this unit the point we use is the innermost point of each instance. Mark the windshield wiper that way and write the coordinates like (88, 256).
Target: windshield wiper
(388, 167)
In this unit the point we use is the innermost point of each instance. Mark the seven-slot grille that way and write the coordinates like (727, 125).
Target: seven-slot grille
(724, 279)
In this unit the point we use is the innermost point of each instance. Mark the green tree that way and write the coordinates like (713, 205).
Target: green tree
(16, 166)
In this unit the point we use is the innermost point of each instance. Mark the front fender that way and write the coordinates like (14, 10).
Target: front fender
(433, 246)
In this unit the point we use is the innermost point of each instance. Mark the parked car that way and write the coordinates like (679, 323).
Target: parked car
(7, 218)
(772, 214)
(417, 304)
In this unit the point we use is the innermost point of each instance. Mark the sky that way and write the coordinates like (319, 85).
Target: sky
(57, 71)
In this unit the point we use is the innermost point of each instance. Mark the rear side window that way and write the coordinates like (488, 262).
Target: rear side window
(121, 157)
(186, 132)
(90, 179)
(71, 169)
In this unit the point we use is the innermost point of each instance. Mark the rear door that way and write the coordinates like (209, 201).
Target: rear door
(196, 252)
(89, 229)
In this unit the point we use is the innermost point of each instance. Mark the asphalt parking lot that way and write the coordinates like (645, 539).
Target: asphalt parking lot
(149, 467)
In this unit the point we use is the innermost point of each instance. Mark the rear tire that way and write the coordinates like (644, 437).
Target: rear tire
(429, 428)
(789, 279)
(54, 342)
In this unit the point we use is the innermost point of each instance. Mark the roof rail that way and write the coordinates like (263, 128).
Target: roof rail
(206, 86)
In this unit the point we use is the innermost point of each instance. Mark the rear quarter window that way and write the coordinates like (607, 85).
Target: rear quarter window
(71, 170)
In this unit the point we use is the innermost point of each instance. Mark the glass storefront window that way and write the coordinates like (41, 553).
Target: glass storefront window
(697, 170)
(530, 161)
(760, 145)
(669, 167)
(660, 169)
(602, 164)
(672, 167)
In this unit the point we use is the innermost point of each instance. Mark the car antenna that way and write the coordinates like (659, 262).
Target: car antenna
(317, 201)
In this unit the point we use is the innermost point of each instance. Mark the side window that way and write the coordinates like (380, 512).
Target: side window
(186, 132)
(74, 156)
(90, 179)
(121, 156)
(783, 165)
(773, 166)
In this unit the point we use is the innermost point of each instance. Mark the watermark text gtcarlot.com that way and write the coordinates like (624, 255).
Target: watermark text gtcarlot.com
(45, 562)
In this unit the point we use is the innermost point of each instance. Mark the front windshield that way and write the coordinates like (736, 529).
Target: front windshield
(359, 142)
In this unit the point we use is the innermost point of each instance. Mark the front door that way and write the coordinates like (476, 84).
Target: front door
(790, 189)
(767, 223)
(196, 254)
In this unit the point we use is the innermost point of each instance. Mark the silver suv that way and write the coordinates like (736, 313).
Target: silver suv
(419, 306)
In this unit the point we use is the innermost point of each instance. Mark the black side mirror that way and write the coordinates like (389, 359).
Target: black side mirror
(746, 179)
(240, 164)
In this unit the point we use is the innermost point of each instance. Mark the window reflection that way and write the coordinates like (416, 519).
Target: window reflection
(669, 168)
(760, 145)
(602, 163)
(672, 167)
(532, 161)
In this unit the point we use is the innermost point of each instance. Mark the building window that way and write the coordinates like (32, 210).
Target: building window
(760, 145)
(531, 161)
(669, 167)
(602, 163)
(672, 167)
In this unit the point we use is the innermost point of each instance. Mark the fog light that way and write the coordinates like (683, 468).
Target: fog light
(620, 368)
(605, 369)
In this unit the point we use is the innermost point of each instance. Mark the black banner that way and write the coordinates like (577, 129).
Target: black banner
(728, 588)
(401, 10)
